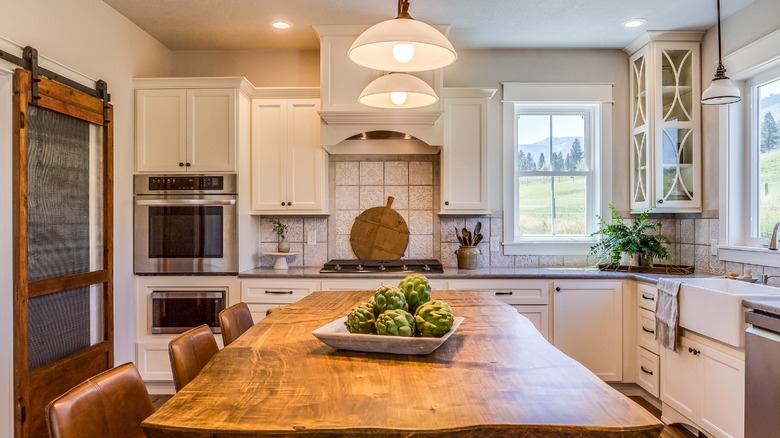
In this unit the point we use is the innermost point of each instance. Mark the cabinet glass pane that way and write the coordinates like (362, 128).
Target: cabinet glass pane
(639, 152)
(677, 85)
(677, 164)
(639, 117)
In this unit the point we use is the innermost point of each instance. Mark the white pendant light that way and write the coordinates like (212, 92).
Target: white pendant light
(402, 44)
(721, 91)
(398, 90)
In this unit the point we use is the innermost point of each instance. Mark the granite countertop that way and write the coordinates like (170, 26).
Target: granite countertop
(768, 305)
(483, 273)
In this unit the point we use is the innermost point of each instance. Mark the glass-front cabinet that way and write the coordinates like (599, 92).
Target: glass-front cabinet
(665, 122)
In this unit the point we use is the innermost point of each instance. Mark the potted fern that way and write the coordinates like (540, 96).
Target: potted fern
(619, 239)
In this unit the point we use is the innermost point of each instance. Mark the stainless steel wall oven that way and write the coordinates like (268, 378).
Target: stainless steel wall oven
(185, 224)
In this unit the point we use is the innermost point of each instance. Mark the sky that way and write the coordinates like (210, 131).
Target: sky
(533, 128)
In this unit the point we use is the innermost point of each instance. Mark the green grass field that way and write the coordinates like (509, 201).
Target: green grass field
(769, 190)
(536, 205)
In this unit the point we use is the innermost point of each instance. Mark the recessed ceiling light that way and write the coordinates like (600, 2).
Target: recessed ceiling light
(635, 22)
(279, 24)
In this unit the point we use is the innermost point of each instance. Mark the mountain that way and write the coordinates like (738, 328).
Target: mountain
(559, 144)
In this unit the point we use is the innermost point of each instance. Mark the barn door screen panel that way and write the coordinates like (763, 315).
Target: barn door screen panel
(63, 227)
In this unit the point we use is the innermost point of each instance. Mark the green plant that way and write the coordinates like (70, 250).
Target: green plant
(279, 228)
(618, 238)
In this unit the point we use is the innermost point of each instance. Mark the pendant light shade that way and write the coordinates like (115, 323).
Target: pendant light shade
(402, 44)
(721, 91)
(398, 90)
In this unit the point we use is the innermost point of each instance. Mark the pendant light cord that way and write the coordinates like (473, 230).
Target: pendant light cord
(720, 72)
(403, 9)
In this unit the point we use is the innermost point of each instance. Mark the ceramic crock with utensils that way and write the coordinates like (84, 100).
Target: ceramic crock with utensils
(468, 253)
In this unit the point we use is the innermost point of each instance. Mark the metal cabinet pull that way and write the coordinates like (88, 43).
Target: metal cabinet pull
(645, 371)
(504, 293)
(279, 292)
(648, 297)
(647, 330)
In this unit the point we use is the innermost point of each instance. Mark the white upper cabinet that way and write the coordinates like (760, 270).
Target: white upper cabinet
(184, 129)
(665, 122)
(289, 166)
(464, 154)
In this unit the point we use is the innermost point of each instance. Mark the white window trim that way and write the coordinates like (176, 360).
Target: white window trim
(541, 94)
(750, 63)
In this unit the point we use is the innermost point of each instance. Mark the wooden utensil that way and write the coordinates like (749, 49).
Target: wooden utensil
(466, 236)
(477, 239)
(379, 233)
(457, 234)
(477, 229)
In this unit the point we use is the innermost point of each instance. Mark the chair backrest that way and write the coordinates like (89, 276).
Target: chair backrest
(112, 404)
(190, 352)
(234, 321)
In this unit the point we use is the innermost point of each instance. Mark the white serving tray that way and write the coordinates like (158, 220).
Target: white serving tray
(336, 335)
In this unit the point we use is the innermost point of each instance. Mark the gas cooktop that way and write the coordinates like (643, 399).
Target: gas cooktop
(348, 266)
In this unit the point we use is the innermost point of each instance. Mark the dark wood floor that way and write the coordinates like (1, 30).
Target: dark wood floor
(671, 431)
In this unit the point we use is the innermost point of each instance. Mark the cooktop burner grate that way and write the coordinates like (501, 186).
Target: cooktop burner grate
(348, 266)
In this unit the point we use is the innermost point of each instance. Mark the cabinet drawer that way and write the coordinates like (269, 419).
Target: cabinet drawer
(275, 292)
(647, 371)
(646, 296)
(527, 292)
(645, 330)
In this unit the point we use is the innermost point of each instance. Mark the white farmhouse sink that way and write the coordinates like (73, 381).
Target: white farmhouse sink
(713, 307)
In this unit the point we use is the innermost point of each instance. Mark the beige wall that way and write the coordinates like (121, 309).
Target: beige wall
(263, 68)
(90, 37)
(489, 68)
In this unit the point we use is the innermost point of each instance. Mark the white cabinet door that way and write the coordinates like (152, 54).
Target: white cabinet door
(211, 125)
(160, 130)
(269, 154)
(289, 166)
(588, 325)
(181, 130)
(705, 384)
(539, 317)
(464, 154)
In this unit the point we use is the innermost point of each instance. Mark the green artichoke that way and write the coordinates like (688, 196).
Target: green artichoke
(416, 289)
(396, 322)
(361, 319)
(433, 319)
(389, 298)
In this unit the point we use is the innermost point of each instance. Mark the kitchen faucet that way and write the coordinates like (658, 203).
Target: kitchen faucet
(773, 239)
(764, 278)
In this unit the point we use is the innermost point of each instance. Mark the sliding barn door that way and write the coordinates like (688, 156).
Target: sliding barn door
(63, 319)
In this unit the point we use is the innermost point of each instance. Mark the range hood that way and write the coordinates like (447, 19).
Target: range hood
(347, 127)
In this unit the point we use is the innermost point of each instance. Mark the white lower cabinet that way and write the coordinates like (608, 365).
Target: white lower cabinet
(588, 325)
(263, 294)
(703, 384)
(648, 364)
(531, 298)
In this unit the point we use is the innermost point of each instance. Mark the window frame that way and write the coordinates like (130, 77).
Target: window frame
(599, 97)
(752, 63)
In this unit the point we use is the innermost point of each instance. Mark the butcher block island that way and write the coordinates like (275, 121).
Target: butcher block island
(496, 376)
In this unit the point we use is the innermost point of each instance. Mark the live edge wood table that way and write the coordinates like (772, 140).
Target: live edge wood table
(495, 377)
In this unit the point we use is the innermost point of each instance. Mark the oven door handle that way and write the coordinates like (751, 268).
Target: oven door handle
(185, 202)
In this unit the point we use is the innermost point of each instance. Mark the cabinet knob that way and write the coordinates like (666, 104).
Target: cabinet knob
(282, 203)
(289, 203)
(693, 351)
(557, 289)
(181, 164)
(446, 202)
(188, 164)
(660, 201)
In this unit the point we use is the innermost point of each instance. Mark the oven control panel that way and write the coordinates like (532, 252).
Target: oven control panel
(186, 183)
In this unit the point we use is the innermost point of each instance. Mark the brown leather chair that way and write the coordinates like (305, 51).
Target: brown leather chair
(111, 405)
(190, 352)
(235, 320)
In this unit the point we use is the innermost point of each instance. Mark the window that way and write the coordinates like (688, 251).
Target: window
(765, 158)
(555, 141)
(554, 170)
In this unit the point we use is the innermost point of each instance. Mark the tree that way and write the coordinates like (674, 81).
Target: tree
(541, 161)
(531, 163)
(770, 134)
(569, 162)
(577, 155)
(556, 161)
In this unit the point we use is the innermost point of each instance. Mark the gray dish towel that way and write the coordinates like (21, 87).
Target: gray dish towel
(667, 312)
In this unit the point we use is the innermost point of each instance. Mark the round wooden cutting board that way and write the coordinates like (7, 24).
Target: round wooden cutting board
(379, 233)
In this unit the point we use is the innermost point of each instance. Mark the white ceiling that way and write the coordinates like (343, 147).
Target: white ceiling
(244, 24)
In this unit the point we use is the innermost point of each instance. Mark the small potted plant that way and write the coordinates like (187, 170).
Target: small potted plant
(618, 239)
(281, 231)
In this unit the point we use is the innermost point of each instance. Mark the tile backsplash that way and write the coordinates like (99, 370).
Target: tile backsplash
(359, 182)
